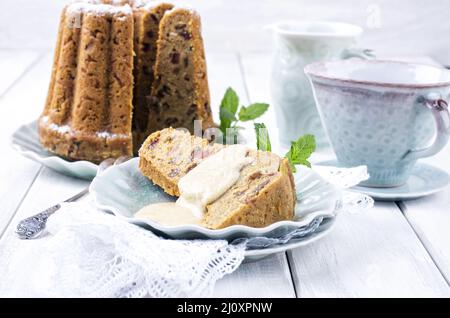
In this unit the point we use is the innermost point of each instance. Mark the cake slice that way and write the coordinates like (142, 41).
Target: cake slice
(263, 194)
(180, 92)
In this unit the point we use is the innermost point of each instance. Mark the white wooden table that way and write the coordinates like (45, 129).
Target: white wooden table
(395, 249)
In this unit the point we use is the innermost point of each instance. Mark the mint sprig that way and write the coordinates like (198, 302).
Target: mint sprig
(301, 150)
(262, 137)
(229, 115)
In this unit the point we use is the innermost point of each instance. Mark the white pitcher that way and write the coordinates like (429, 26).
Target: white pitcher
(299, 44)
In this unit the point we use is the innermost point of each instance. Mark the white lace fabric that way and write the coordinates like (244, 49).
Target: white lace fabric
(88, 253)
(345, 178)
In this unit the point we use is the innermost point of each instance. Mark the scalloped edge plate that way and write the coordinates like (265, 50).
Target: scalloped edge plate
(25, 140)
(123, 190)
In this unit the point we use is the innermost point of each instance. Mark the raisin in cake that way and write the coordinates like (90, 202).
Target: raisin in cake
(263, 194)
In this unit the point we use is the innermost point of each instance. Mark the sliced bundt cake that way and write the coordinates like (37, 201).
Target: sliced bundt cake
(263, 194)
(111, 55)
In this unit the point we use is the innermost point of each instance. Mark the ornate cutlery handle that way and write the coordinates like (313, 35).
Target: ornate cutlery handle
(33, 226)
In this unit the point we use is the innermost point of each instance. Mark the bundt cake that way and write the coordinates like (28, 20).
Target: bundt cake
(106, 66)
(263, 194)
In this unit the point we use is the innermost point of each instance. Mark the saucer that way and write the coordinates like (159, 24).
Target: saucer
(424, 180)
(26, 141)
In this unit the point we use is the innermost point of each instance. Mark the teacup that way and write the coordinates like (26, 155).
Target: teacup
(299, 43)
(382, 114)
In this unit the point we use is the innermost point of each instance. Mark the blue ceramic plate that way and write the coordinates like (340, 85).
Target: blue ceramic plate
(123, 190)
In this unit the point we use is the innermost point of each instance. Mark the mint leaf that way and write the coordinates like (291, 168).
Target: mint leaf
(262, 137)
(226, 118)
(288, 157)
(230, 101)
(252, 111)
(228, 109)
(229, 115)
(301, 150)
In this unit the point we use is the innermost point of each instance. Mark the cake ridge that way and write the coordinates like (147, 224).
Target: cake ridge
(62, 86)
(90, 82)
(77, 63)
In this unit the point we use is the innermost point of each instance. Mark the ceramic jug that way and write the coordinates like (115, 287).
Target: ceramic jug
(296, 45)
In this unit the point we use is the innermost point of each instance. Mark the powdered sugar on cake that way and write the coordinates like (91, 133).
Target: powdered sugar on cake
(177, 5)
(66, 129)
(97, 8)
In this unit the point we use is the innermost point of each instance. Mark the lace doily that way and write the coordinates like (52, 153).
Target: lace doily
(345, 178)
(87, 253)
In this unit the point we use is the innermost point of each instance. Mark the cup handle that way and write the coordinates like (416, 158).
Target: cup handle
(439, 108)
(365, 54)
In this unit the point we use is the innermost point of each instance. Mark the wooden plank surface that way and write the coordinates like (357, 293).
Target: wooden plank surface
(22, 103)
(267, 278)
(370, 254)
(430, 217)
(13, 64)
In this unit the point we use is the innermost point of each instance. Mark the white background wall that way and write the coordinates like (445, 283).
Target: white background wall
(399, 27)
